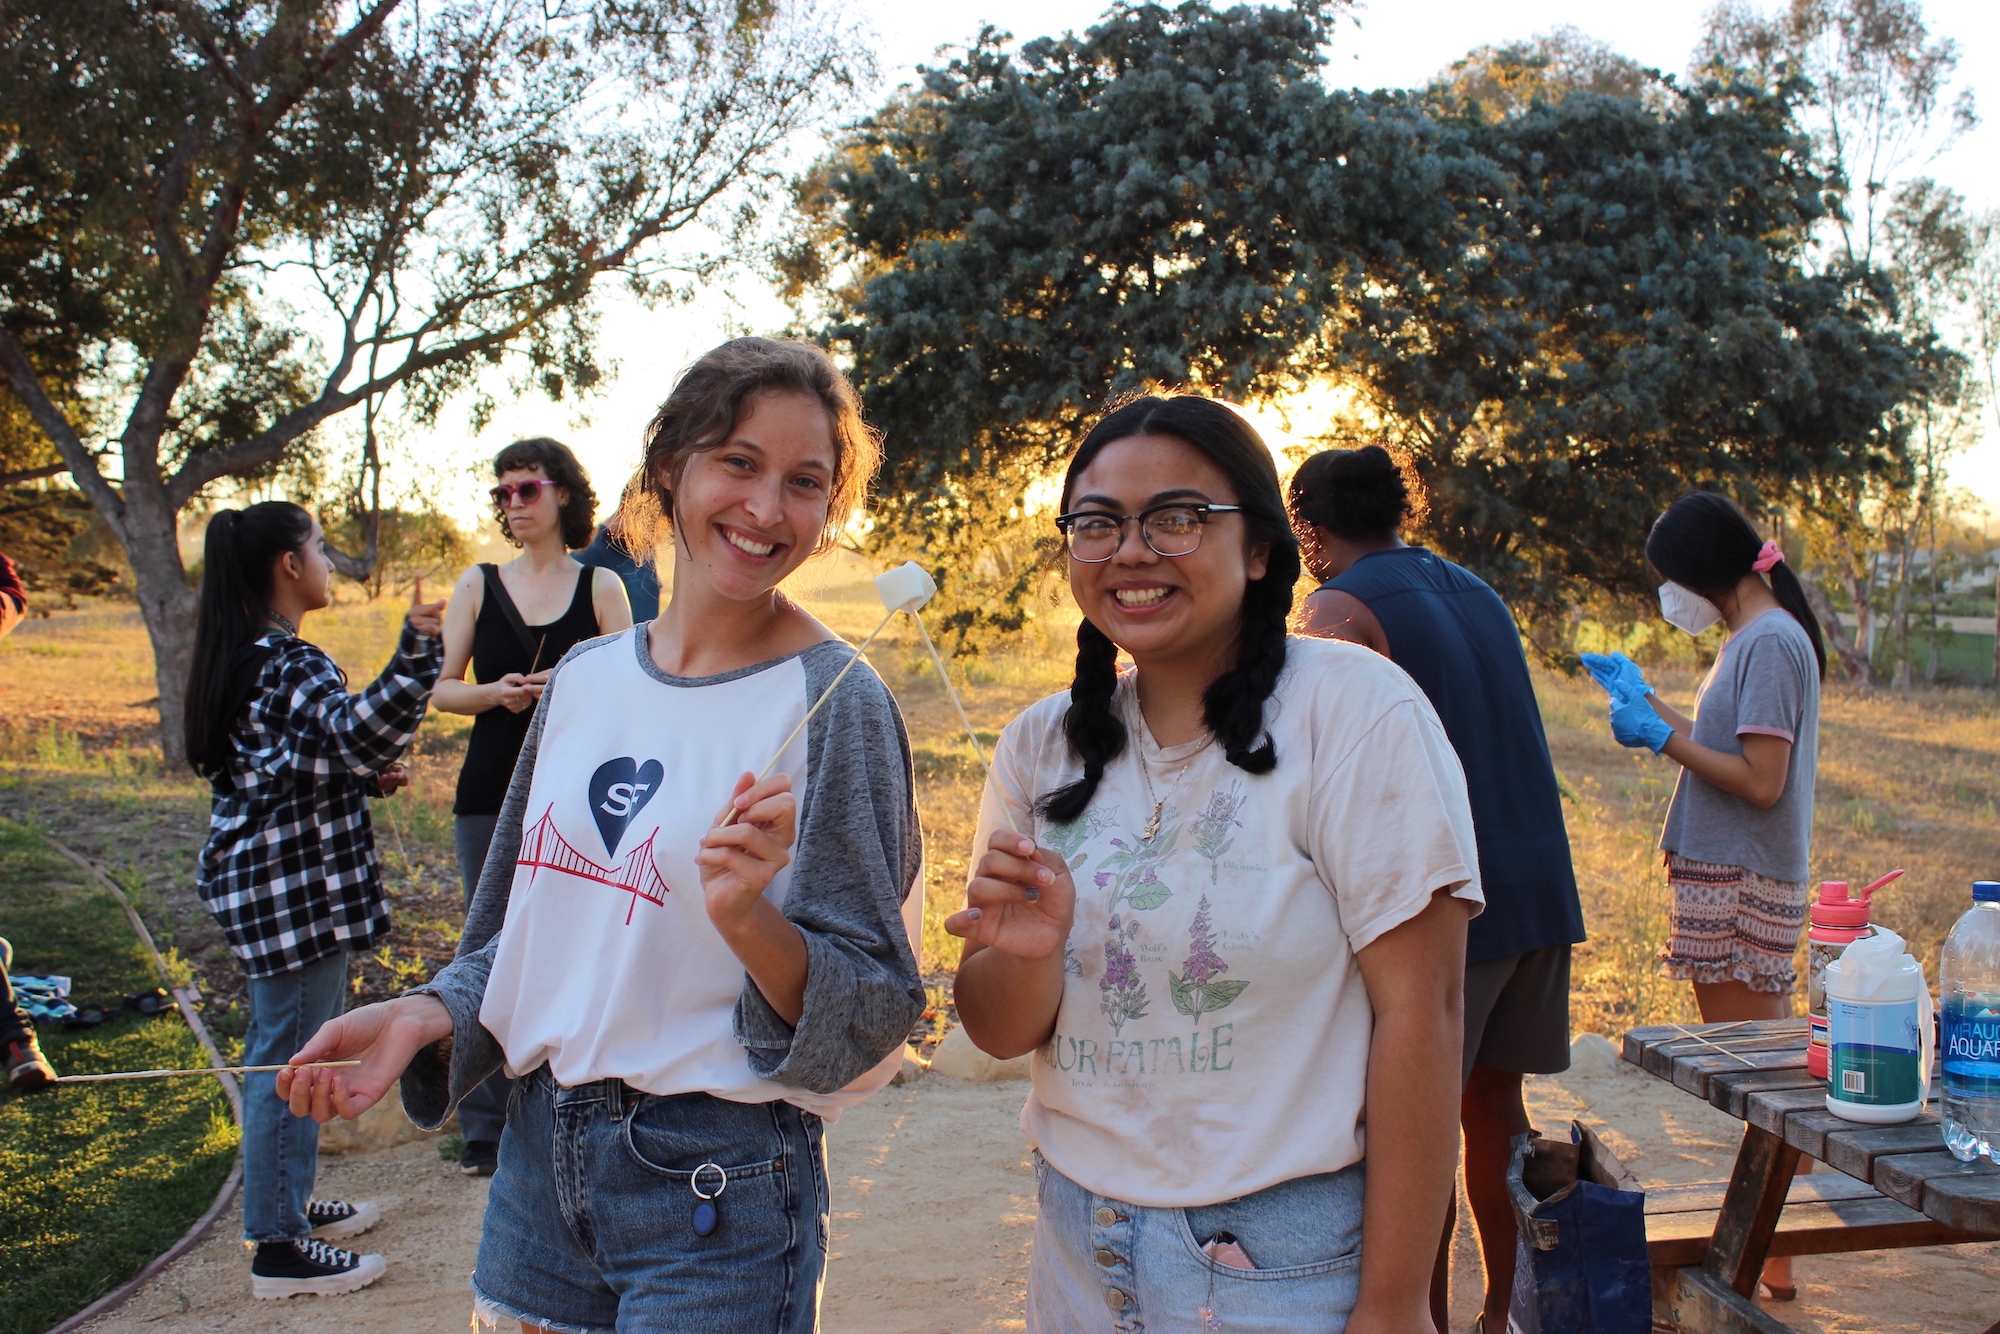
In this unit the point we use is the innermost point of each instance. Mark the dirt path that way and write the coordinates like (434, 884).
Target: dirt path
(933, 1206)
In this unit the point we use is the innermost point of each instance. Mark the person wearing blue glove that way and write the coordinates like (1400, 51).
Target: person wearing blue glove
(1739, 832)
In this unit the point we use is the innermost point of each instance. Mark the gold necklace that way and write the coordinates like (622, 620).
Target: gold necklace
(1160, 803)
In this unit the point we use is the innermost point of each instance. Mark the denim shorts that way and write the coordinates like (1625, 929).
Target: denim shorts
(1102, 1266)
(590, 1221)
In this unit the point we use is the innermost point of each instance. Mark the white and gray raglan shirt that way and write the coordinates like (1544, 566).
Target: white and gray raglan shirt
(588, 946)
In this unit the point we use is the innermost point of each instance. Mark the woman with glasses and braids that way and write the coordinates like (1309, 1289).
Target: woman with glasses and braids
(510, 624)
(1222, 897)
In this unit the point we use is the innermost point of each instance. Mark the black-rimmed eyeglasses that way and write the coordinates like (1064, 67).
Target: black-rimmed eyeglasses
(1170, 530)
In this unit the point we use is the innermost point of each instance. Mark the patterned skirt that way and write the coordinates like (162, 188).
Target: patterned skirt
(1732, 925)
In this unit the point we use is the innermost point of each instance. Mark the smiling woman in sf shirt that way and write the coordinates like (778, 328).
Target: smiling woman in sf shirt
(689, 970)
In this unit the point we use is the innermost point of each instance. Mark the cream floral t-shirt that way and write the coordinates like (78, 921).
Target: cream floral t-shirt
(1214, 1029)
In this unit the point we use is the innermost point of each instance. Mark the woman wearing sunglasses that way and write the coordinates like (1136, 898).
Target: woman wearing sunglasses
(510, 624)
(1223, 899)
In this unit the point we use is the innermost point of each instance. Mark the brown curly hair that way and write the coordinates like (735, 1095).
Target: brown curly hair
(579, 512)
(707, 402)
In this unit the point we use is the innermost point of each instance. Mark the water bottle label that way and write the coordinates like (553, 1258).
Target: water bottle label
(1877, 1052)
(1970, 1054)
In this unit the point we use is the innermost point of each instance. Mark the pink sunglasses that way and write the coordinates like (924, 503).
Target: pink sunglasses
(525, 493)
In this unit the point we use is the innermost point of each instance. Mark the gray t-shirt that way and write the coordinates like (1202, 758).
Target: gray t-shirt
(1765, 681)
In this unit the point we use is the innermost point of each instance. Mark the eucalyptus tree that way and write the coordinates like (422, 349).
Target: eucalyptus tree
(276, 211)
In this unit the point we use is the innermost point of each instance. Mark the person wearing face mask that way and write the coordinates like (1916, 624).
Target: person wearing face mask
(690, 968)
(1738, 835)
(508, 625)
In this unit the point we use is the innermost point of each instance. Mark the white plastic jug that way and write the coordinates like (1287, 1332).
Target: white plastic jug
(1879, 1014)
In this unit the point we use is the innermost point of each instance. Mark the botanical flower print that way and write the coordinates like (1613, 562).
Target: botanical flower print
(1124, 995)
(1066, 839)
(1132, 873)
(1196, 989)
(1212, 826)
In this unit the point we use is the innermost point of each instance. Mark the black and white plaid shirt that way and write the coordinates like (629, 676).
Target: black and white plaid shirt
(289, 868)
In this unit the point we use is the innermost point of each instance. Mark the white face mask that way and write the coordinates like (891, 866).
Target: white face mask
(1687, 610)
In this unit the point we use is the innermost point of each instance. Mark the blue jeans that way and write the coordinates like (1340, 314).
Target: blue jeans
(482, 1113)
(1102, 1266)
(281, 1151)
(589, 1224)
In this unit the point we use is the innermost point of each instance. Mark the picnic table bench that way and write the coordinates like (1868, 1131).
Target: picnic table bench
(1892, 1186)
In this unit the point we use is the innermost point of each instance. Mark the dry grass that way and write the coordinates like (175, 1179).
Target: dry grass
(1905, 780)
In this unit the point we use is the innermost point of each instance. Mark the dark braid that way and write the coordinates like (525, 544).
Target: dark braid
(1095, 731)
(1233, 704)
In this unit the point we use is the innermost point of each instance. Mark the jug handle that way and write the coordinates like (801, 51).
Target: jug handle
(1927, 1028)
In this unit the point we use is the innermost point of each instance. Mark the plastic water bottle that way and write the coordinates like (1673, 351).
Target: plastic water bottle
(1969, 980)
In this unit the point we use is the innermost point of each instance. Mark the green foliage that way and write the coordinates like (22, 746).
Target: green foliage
(412, 544)
(1567, 313)
(98, 1178)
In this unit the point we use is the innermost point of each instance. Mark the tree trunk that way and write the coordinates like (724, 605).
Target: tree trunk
(1850, 658)
(167, 604)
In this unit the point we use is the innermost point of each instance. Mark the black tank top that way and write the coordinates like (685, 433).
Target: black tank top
(497, 649)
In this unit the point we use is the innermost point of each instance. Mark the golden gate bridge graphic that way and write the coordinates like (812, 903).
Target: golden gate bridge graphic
(544, 847)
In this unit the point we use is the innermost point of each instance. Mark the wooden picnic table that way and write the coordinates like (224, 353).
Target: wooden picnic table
(1901, 1187)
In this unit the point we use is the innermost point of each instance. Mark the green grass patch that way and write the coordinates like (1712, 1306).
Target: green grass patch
(97, 1178)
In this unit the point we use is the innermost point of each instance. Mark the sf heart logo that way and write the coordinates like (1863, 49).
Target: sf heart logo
(619, 790)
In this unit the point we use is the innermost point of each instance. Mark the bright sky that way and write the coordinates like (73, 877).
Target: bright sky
(1399, 43)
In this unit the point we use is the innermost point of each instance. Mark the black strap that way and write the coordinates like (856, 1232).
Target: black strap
(497, 592)
(246, 665)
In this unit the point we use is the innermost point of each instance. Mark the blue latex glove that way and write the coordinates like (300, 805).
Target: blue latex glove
(1619, 675)
(1634, 723)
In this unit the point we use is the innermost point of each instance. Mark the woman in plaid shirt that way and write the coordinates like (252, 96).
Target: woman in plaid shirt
(289, 869)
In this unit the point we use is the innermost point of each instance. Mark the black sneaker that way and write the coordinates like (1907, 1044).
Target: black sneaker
(333, 1219)
(298, 1268)
(27, 1068)
(480, 1158)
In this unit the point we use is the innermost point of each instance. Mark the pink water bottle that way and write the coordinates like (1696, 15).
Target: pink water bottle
(1837, 922)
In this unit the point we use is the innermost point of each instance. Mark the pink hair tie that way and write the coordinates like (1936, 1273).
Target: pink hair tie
(1768, 556)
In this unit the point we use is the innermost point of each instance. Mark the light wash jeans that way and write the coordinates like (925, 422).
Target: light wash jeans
(482, 1113)
(281, 1151)
(589, 1224)
(1102, 1266)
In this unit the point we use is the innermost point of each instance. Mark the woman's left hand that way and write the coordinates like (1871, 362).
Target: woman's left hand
(392, 780)
(749, 843)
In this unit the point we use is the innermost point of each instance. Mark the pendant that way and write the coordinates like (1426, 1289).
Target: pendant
(707, 1216)
(1152, 825)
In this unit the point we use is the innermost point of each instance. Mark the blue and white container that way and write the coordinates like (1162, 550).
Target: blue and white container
(1879, 1014)
(1969, 1057)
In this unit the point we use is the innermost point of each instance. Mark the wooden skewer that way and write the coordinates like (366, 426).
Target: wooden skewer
(1703, 1040)
(222, 1070)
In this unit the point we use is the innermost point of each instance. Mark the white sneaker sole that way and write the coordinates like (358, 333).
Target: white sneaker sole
(371, 1268)
(366, 1215)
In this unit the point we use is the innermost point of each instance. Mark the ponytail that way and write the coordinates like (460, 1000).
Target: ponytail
(1706, 544)
(238, 553)
(1233, 704)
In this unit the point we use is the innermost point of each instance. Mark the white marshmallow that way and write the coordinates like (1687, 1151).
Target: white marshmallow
(905, 588)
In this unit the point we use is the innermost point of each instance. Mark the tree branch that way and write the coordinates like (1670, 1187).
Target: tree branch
(27, 386)
(33, 474)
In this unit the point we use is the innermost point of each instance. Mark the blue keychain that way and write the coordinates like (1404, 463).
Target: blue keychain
(706, 1215)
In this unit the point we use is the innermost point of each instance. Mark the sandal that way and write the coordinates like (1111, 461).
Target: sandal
(151, 1002)
(1777, 1294)
(90, 1016)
